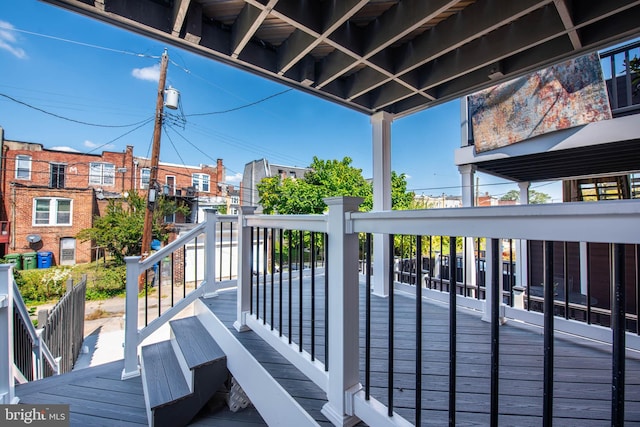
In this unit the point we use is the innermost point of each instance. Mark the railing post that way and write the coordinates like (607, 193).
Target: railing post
(210, 253)
(7, 390)
(344, 317)
(244, 269)
(131, 319)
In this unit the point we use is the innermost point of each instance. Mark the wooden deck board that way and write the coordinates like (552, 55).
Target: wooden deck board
(582, 371)
(582, 379)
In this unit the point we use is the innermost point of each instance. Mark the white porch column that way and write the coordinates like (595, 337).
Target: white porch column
(381, 124)
(7, 387)
(245, 240)
(130, 369)
(344, 316)
(522, 264)
(211, 252)
(467, 175)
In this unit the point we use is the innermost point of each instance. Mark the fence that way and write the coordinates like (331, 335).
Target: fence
(63, 326)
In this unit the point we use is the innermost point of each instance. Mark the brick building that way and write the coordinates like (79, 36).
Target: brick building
(48, 195)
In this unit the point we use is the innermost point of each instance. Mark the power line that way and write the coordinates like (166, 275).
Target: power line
(58, 116)
(241, 106)
(93, 46)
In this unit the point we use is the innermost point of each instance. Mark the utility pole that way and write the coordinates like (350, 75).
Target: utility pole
(152, 193)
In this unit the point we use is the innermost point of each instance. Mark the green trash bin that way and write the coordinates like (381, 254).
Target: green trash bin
(15, 259)
(30, 260)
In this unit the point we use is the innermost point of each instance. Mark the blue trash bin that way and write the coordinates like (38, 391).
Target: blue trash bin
(45, 259)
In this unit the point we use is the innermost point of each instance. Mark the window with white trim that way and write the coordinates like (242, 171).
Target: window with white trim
(23, 167)
(200, 181)
(52, 211)
(102, 173)
(145, 177)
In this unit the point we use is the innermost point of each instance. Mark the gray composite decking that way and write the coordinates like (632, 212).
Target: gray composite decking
(582, 377)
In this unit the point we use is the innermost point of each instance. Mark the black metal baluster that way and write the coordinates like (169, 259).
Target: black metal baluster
(442, 263)
(565, 283)
(452, 331)
(391, 340)
(265, 236)
(637, 254)
(367, 332)
(529, 275)
(146, 297)
(300, 269)
(547, 404)
(280, 259)
(251, 250)
(313, 296)
(496, 292)
(157, 276)
(273, 273)
(618, 318)
(418, 330)
(511, 277)
(290, 309)
(588, 284)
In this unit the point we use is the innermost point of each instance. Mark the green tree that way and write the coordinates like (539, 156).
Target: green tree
(327, 178)
(535, 197)
(119, 231)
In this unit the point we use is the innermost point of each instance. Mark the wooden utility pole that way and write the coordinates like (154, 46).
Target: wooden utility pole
(155, 159)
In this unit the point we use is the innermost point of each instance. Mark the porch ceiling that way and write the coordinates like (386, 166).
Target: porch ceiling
(398, 56)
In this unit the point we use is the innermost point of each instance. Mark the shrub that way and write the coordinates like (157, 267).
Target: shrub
(107, 282)
(40, 285)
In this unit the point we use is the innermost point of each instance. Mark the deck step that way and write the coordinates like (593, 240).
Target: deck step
(182, 374)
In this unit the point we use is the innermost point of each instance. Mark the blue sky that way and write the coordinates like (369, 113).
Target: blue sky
(91, 72)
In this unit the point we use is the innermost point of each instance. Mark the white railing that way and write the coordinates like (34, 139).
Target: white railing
(37, 358)
(606, 222)
(136, 266)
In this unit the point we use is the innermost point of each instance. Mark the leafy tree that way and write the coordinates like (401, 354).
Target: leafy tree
(327, 178)
(535, 197)
(119, 231)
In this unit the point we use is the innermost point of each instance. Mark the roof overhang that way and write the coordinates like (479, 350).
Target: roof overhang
(397, 56)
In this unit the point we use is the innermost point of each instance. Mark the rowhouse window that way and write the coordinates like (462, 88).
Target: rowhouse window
(23, 167)
(102, 173)
(52, 211)
(200, 181)
(56, 175)
(145, 176)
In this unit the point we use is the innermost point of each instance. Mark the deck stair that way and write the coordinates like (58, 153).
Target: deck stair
(180, 375)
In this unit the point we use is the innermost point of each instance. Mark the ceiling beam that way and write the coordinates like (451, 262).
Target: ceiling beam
(567, 20)
(247, 24)
(180, 8)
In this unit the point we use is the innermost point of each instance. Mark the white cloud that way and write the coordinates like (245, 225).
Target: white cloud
(91, 144)
(65, 148)
(233, 178)
(8, 41)
(148, 73)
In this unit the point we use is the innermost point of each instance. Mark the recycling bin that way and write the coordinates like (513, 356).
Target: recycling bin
(29, 260)
(15, 259)
(45, 259)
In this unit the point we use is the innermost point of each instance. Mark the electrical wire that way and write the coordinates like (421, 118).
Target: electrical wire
(58, 116)
(251, 104)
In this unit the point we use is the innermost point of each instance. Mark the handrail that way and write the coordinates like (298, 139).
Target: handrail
(35, 336)
(136, 266)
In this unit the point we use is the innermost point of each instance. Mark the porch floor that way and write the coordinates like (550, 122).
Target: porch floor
(582, 385)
